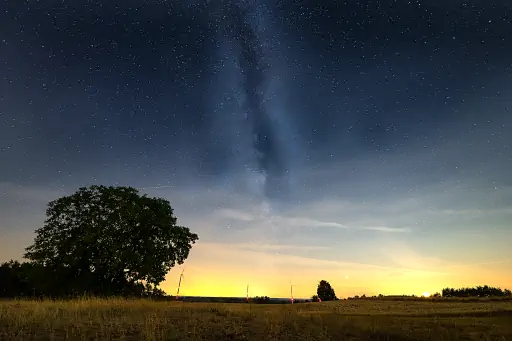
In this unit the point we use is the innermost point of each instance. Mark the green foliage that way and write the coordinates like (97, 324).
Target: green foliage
(479, 291)
(325, 291)
(109, 241)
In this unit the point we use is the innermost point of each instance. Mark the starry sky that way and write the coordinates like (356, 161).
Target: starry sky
(367, 143)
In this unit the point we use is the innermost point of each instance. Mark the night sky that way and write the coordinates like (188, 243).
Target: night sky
(367, 143)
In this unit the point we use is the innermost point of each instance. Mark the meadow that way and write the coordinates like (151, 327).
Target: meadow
(119, 319)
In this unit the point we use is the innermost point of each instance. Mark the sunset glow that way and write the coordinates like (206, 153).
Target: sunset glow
(217, 270)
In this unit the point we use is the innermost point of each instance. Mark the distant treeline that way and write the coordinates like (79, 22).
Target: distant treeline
(479, 291)
(32, 280)
(462, 293)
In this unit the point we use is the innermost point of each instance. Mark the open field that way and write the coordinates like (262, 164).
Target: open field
(114, 319)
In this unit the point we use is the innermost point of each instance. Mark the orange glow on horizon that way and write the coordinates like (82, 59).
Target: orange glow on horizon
(217, 270)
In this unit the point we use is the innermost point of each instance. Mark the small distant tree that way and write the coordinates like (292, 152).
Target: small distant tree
(261, 299)
(325, 291)
(314, 298)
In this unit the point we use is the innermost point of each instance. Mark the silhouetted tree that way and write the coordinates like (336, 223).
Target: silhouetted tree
(10, 285)
(109, 241)
(23, 280)
(325, 291)
(261, 299)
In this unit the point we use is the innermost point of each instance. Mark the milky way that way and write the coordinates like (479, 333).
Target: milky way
(337, 124)
(264, 155)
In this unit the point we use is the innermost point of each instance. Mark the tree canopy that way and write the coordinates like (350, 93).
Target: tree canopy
(107, 239)
(325, 292)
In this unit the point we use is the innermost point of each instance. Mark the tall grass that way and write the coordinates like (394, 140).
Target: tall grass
(120, 319)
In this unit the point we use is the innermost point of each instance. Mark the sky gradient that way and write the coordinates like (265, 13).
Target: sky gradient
(367, 144)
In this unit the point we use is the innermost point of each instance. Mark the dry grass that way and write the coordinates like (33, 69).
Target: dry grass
(96, 319)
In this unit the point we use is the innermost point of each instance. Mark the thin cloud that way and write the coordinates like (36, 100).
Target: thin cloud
(278, 247)
(155, 187)
(287, 221)
(478, 264)
(302, 261)
(235, 214)
(275, 219)
(388, 229)
(306, 222)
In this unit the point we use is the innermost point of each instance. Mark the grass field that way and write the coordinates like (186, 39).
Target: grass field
(96, 319)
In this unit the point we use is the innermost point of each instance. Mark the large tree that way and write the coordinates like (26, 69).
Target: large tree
(325, 292)
(106, 239)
